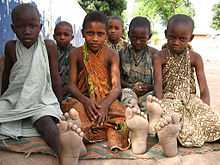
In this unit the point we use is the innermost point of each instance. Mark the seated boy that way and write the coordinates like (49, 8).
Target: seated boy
(136, 62)
(63, 35)
(94, 82)
(28, 105)
(115, 29)
(184, 116)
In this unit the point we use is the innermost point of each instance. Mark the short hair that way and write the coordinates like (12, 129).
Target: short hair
(116, 18)
(63, 23)
(94, 16)
(24, 6)
(139, 22)
(181, 18)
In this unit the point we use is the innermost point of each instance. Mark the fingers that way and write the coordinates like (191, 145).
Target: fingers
(91, 114)
(99, 121)
(98, 106)
(92, 111)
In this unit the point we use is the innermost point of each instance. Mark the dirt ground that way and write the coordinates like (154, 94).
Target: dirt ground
(212, 69)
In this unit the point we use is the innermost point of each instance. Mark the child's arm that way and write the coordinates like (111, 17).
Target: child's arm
(89, 105)
(10, 57)
(115, 79)
(197, 62)
(157, 74)
(115, 91)
(55, 77)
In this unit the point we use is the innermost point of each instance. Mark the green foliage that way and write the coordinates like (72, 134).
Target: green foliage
(216, 18)
(109, 7)
(163, 9)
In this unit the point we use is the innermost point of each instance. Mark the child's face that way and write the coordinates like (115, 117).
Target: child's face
(114, 30)
(139, 37)
(178, 36)
(27, 27)
(63, 35)
(95, 35)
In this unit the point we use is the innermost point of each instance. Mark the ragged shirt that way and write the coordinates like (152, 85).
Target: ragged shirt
(29, 95)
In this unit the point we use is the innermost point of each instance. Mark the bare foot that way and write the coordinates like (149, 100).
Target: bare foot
(154, 111)
(129, 96)
(70, 139)
(167, 129)
(72, 116)
(138, 126)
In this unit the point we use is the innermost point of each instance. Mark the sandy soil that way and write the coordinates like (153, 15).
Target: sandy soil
(212, 70)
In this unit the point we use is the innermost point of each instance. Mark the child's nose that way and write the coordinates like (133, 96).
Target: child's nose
(27, 30)
(95, 38)
(177, 41)
(62, 37)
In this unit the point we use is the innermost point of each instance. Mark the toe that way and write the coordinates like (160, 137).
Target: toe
(128, 113)
(149, 98)
(67, 116)
(73, 114)
(62, 126)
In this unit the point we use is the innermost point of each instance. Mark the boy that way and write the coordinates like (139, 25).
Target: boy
(28, 104)
(95, 83)
(63, 35)
(136, 61)
(115, 29)
(174, 69)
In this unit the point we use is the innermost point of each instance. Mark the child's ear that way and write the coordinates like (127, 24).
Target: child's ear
(192, 37)
(13, 28)
(165, 32)
(150, 35)
(41, 25)
(129, 34)
(82, 31)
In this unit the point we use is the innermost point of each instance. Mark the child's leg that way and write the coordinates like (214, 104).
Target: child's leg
(48, 130)
(138, 126)
(154, 111)
(65, 138)
(167, 130)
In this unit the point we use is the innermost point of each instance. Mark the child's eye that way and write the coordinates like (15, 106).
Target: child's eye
(90, 33)
(117, 28)
(100, 33)
(183, 39)
(66, 34)
(33, 25)
(171, 37)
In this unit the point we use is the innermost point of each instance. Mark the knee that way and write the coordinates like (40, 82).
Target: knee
(69, 103)
(46, 126)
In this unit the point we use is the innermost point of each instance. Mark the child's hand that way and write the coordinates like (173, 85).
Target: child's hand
(102, 113)
(139, 88)
(91, 109)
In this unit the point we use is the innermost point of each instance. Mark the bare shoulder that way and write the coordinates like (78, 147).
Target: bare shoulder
(153, 51)
(10, 50)
(76, 53)
(160, 56)
(50, 44)
(195, 58)
(111, 55)
(10, 46)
